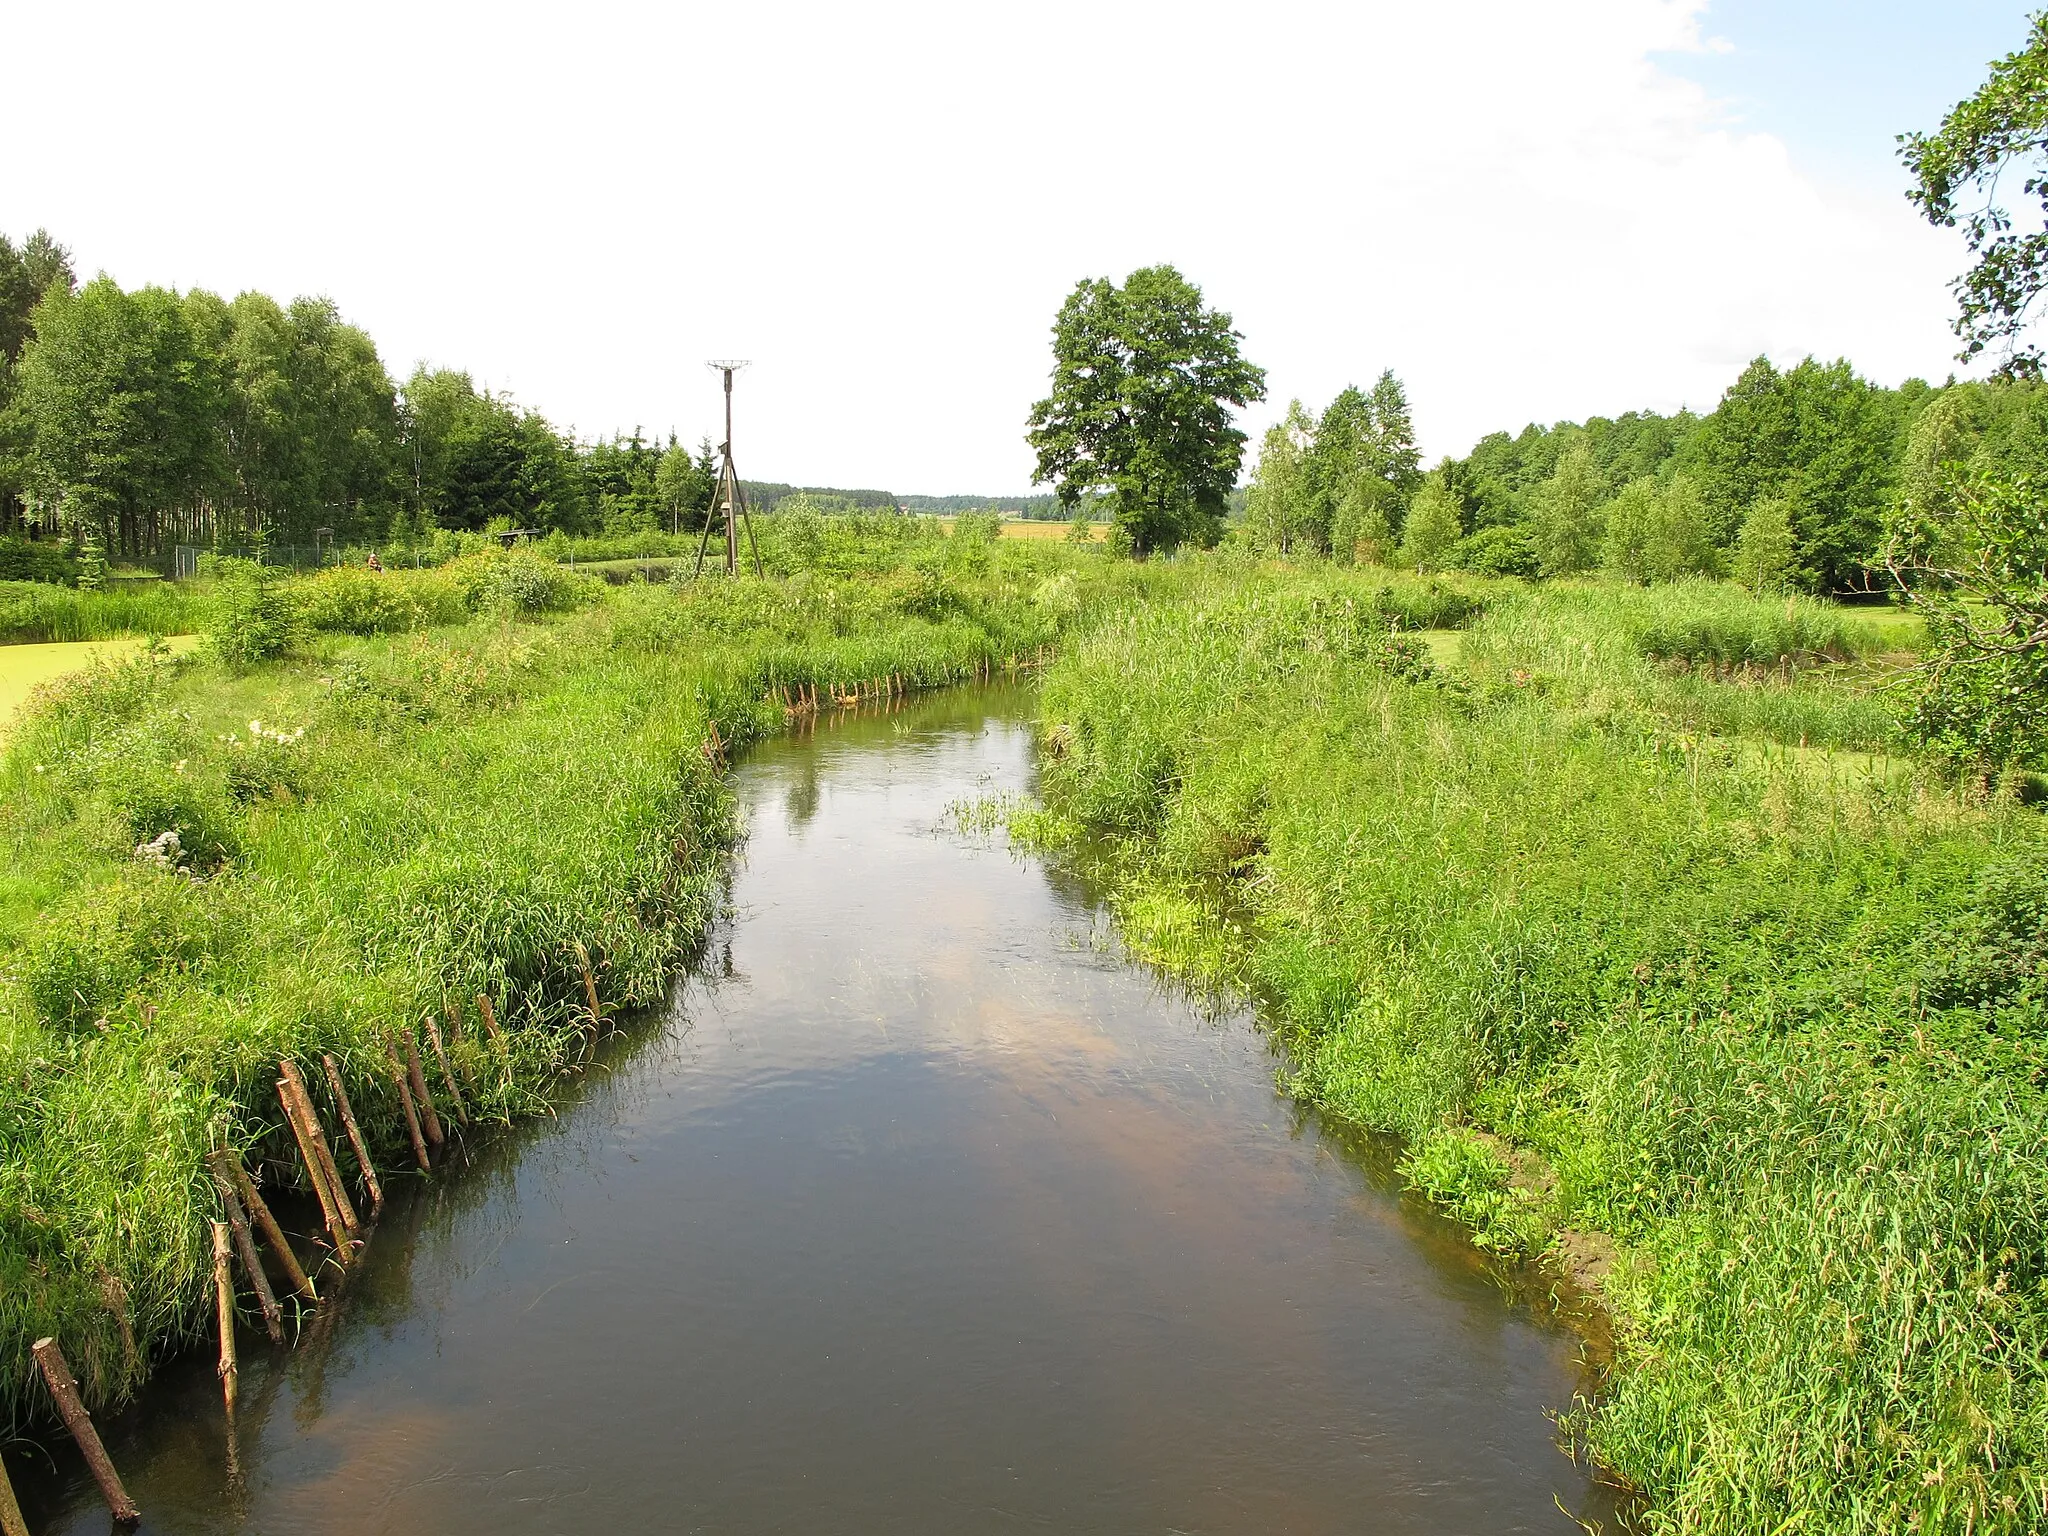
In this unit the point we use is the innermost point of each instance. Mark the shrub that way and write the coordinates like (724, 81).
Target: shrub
(518, 581)
(26, 560)
(254, 618)
(1498, 551)
(356, 601)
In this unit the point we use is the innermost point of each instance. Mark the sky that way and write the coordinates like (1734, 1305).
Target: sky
(1527, 211)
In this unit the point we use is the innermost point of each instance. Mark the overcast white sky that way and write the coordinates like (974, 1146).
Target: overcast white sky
(1527, 210)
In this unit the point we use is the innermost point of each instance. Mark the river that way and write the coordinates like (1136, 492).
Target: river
(921, 1211)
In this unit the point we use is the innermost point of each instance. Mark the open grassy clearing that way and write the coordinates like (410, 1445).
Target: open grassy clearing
(1634, 928)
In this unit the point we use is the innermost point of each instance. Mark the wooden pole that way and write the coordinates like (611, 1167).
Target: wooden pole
(355, 1132)
(253, 1202)
(448, 1077)
(418, 1079)
(329, 1169)
(589, 987)
(412, 1118)
(11, 1523)
(224, 1303)
(490, 1014)
(65, 1390)
(238, 1224)
(337, 1229)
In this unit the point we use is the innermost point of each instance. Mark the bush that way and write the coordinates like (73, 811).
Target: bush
(27, 560)
(357, 601)
(518, 581)
(1497, 551)
(254, 617)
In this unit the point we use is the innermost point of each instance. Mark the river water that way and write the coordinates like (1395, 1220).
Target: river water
(922, 1211)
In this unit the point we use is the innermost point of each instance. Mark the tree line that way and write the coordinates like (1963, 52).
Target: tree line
(141, 419)
(1790, 482)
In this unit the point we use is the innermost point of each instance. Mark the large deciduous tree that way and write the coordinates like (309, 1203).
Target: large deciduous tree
(1143, 380)
(1985, 140)
(121, 399)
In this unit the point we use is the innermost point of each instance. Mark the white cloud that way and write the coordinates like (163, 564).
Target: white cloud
(1509, 204)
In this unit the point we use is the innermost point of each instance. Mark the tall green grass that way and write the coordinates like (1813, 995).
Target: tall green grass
(1780, 1036)
(35, 612)
(366, 829)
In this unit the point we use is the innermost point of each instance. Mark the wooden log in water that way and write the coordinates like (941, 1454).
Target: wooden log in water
(230, 1162)
(424, 1099)
(337, 1229)
(330, 1170)
(11, 1523)
(245, 1245)
(355, 1132)
(447, 1075)
(412, 1117)
(64, 1388)
(224, 1305)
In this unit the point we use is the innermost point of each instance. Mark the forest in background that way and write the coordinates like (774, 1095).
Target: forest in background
(1787, 483)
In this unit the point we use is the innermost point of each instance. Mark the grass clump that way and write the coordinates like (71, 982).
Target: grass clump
(39, 612)
(1615, 964)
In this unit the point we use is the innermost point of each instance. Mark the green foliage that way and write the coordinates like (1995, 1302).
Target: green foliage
(1982, 141)
(1615, 964)
(1360, 470)
(1473, 1179)
(363, 835)
(351, 600)
(518, 581)
(43, 560)
(1766, 553)
(34, 612)
(1143, 377)
(1279, 514)
(1564, 523)
(1434, 525)
(1975, 568)
(254, 618)
(1496, 551)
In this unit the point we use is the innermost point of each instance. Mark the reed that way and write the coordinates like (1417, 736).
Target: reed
(1571, 921)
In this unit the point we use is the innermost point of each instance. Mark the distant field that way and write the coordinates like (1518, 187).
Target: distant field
(24, 667)
(1020, 529)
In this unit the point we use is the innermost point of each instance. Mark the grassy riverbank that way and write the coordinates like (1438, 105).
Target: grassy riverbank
(1638, 929)
(367, 827)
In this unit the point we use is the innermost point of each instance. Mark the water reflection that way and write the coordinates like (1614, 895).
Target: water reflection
(921, 1211)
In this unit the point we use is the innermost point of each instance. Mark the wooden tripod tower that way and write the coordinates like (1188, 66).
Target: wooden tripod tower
(728, 501)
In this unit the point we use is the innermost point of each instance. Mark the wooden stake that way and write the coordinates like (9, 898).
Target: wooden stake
(238, 1224)
(337, 1229)
(224, 1303)
(425, 1100)
(589, 987)
(355, 1132)
(11, 1523)
(65, 1390)
(231, 1162)
(412, 1118)
(448, 1077)
(329, 1168)
(454, 1021)
(483, 1006)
